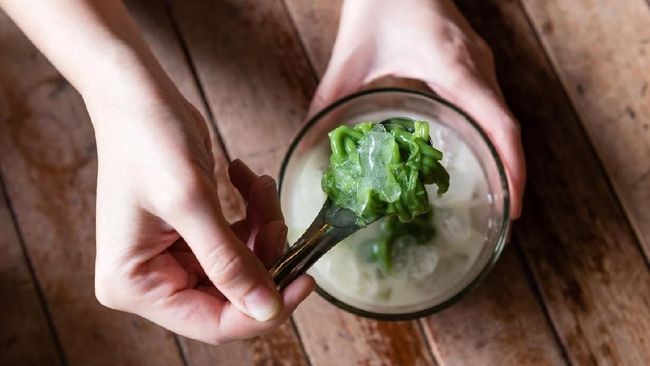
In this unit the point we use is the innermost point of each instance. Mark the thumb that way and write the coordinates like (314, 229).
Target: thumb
(485, 105)
(344, 75)
(229, 264)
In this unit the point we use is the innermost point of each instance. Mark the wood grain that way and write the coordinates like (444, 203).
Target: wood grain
(574, 235)
(576, 239)
(605, 70)
(253, 71)
(500, 322)
(259, 84)
(317, 22)
(48, 162)
(25, 336)
(329, 333)
(487, 327)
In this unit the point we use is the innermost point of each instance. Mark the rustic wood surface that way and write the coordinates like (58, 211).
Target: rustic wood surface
(23, 319)
(608, 86)
(572, 288)
(578, 243)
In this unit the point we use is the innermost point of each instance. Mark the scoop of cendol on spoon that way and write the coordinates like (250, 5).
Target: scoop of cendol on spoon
(375, 170)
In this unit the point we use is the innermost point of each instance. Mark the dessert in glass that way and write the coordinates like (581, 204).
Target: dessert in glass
(398, 268)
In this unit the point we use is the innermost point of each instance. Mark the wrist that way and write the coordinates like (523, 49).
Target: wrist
(128, 83)
(122, 73)
(385, 10)
(382, 19)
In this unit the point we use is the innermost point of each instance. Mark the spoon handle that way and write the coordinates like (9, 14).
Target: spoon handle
(323, 233)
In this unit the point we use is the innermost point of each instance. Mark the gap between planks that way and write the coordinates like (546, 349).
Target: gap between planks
(30, 268)
(525, 260)
(195, 76)
(537, 292)
(581, 125)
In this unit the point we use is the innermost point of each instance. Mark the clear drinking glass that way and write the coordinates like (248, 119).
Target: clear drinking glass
(379, 104)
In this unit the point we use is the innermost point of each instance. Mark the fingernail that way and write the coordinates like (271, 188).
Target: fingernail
(263, 303)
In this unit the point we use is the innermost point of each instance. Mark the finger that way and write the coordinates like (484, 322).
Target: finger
(269, 242)
(344, 76)
(231, 267)
(190, 264)
(199, 315)
(238, 326)
(242, 177)
(484, 104)
(263, 204)
(240, 228)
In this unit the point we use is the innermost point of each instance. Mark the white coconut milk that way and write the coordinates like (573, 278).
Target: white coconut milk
(422, 275)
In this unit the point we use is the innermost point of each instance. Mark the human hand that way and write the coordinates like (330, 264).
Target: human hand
(164, 250)
(428, 40)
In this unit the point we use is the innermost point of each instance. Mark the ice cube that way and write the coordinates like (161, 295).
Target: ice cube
(412, 260)
(453, 223)
(465, 251)
(462, 186)
(425, 262)
(415, 262)
(446, 141)
(368, 284)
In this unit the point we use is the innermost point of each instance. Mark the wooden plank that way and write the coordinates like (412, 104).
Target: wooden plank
(480, 329)
(254, 74)
(282, 346)
(317, 23)
(48, 161)
(259, 84)
(329, 333)
(25, 336)
(605, 70)
(512, 331)
(582, 251)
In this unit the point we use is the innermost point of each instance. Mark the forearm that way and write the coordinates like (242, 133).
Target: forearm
(94, 44)
(373, 15)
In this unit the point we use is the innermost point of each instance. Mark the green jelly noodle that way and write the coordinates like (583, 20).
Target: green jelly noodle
(393, 237)
(380, 170)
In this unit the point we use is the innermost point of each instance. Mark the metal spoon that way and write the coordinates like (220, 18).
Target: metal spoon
(330, 227)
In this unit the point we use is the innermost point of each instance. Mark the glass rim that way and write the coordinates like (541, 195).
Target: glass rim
(502, 233)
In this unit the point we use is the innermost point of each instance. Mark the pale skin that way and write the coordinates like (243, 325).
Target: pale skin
(164, 250)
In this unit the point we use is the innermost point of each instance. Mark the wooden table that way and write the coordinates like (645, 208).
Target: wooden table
(573, 287)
